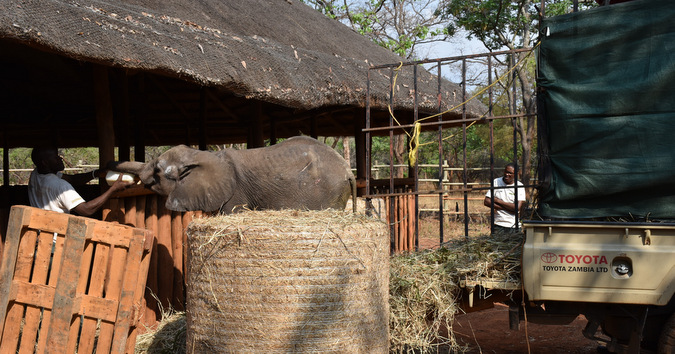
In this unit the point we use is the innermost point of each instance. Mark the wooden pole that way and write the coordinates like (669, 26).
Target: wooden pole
(5, 162)
(360, 148)
(104, 117)
(164, 254)
(139, 119)
(151, 310)
(124, 151)
(178, 298)
(202, 118)
(255, 129)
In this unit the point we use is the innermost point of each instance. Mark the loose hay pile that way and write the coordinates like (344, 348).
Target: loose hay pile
(424, 285)
(288, 281)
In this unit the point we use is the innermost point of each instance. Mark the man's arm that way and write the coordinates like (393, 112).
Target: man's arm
(488, 203)
(502, 205)
(90, 207)
(80, 179)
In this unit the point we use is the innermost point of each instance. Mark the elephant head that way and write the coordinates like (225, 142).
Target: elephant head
(190, 179)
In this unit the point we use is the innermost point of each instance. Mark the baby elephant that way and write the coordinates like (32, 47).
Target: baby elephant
(299, 173)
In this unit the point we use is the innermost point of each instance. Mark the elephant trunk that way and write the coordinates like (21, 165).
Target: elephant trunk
(133, 167)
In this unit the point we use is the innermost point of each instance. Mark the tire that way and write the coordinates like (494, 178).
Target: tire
(667, 337)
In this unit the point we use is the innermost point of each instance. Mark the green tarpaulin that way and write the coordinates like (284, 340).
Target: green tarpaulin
(607, 112)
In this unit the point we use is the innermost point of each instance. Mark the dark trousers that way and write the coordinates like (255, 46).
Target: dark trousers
(501, 230)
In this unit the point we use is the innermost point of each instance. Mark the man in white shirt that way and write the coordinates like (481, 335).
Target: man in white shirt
(50, 189)
(505, 201)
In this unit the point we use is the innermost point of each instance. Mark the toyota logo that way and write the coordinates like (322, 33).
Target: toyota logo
(549, 257)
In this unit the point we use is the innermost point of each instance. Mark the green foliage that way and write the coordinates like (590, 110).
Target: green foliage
(396, 25)
(497, 22)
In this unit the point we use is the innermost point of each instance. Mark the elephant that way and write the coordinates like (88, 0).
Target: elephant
(298, 173)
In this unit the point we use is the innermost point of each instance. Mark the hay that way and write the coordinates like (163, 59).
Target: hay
(288, 281)
(422, 290)
(167, 337)
(424, 285)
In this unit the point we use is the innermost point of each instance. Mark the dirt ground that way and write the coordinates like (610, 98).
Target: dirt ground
(487, 331)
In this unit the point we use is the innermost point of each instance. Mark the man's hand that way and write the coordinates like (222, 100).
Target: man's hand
(90, 207)
(120, 185)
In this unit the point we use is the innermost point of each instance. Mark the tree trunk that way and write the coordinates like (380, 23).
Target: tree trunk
(346, 150)
(399, 153)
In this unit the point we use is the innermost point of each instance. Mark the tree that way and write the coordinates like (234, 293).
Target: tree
(399, 25)
(501, 24)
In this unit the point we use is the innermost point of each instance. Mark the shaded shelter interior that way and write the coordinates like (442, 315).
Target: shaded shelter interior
(49, 98)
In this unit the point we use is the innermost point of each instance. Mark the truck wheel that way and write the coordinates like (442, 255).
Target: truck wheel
(667, 337)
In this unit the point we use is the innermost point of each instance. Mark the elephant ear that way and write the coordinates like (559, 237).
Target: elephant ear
(205, 182)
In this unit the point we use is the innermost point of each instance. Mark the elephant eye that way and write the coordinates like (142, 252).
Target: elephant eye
(185, 171)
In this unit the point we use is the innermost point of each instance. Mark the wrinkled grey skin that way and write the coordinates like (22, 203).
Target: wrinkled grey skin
(299, 173)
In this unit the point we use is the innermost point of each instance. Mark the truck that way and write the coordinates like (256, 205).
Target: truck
(601, 239)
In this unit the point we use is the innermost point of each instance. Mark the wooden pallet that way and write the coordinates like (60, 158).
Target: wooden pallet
(71, 284)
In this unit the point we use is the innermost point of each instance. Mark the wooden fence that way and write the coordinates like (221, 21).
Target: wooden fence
(403, 224)
(166, 274)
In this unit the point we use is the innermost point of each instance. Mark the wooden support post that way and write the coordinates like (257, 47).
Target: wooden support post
(5, 161)
(360, 147)
(104, 116)
(255, 129)
(139, 128)
(273, 131)
(313, 130)
(124, 152)
(202, 118)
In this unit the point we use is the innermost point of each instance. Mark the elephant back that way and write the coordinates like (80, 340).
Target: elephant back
(299, 173)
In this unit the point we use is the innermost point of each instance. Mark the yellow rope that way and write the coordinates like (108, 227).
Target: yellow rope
(393, 90)
(417, 127)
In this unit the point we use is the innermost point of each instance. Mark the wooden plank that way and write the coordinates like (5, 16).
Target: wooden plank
(96, 280)
(139, 292)
(40, 272)
(17, 219)
(112, 292)
(53, 280)
(177, 255)
(164, 255)
(127, 299)
(111, 233)
(43, 295)
(24, 264)
(62, 311)
(48, 221)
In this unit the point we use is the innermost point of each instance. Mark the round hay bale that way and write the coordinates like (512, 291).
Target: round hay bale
(288, 281)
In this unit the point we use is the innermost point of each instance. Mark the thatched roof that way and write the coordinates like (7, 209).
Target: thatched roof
(178, 67)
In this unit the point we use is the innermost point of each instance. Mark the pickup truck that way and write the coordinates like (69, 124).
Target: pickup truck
(603, 242)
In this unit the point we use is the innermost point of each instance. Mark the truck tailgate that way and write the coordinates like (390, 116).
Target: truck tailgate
(599, 262)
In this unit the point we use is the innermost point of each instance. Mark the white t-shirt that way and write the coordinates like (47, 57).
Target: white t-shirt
(503, 217)
(50, 192)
